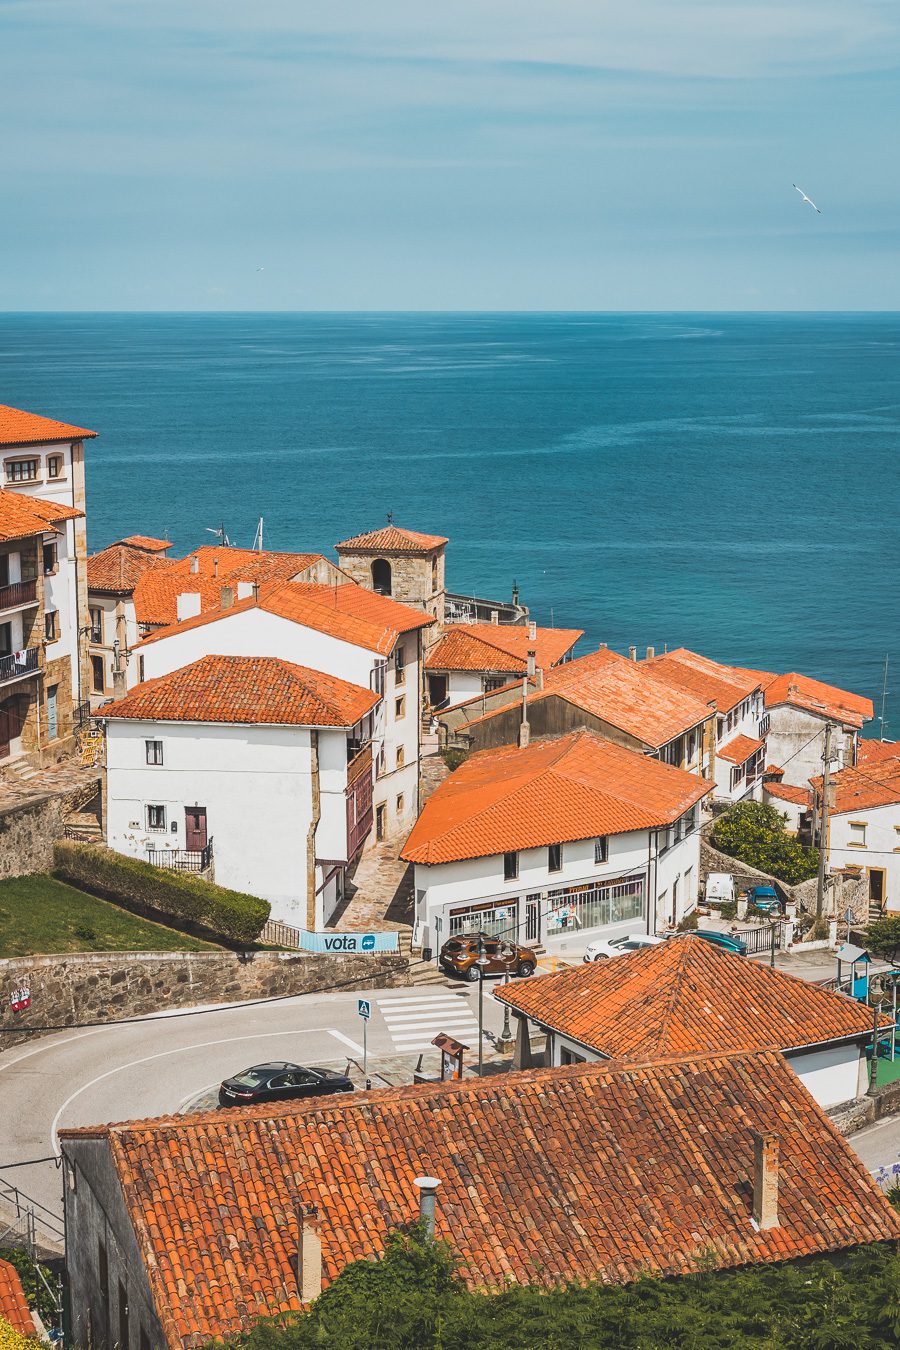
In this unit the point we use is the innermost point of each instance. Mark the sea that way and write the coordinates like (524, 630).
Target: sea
(725, 482)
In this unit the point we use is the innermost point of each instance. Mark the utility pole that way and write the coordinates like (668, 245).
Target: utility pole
(823, 823)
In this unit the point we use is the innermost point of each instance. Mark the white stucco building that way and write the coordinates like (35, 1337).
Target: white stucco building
(690, 998)
(476, 658)
(256, 768)
(574, 834)
(864, 826)
(346, 631)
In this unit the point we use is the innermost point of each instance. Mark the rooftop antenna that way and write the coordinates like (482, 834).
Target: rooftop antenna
(220, 534)
(257, 544)
(390, 517)
(884, 694)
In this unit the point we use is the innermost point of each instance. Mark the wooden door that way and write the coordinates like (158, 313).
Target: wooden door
(195, 828)
(6, 731)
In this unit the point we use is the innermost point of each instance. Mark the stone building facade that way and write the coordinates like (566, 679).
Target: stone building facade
(404, 564)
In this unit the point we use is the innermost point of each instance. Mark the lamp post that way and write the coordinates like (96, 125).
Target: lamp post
(508, 954)
(876, 990)
(481, 963)
(773, 928)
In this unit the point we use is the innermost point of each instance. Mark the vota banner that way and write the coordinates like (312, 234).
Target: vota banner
(344, 944)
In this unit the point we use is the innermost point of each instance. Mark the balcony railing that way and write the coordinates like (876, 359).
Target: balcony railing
(182, 859)
(15, 665)
(18, 593)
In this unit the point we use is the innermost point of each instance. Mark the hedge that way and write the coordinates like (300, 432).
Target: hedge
(179, 899)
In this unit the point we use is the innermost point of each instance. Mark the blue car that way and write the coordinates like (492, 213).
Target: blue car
(764, 899)
(725, 941)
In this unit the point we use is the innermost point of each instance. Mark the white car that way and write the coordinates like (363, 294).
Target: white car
(605, 949)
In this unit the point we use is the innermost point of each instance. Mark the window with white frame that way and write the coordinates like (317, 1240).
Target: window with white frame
(601, 848)
(154, 751)
(399, 668)
(54, 466)
(156, 817)
(857, 833)
(96, 615)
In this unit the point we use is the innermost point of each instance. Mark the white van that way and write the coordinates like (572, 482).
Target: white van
(720, 888)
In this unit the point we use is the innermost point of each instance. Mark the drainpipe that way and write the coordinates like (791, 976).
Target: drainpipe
(311, 833)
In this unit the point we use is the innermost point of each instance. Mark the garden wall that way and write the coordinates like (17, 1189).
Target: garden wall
(98, 987)
(29, 830)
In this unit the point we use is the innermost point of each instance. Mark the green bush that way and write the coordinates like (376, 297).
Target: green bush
(755, 834)
(180, 899)
(882, 939)
(453, 757)
(690, 923)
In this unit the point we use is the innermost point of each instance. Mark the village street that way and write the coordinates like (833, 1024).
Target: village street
(175, 1062)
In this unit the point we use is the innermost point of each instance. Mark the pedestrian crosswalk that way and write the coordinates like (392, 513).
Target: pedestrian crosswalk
(413, 1022)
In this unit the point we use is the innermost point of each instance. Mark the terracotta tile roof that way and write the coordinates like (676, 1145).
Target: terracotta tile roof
(504, 647)
(118, 568)
(873, 785)
(873, 752)
(18, 427)
(785, 792)
(23, 517)
(686, 997)
(704, 678)
(391, 539)
(246, 689)
(146, 542)
(577, 787)
(607, 1172)
(739, 749)
(624, 693)
(764, 677)
(349, 612)
(774, 770)
(13, 1304)
(156, 597)
(814, 696)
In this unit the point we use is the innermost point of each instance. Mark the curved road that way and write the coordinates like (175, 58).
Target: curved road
(174, 1062)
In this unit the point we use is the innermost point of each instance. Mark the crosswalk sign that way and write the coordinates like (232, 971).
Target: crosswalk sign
(364, 1008)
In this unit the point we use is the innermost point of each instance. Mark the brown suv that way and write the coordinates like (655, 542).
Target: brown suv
(459, 956)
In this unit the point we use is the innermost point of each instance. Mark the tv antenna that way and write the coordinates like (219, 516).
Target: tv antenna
(220, 534)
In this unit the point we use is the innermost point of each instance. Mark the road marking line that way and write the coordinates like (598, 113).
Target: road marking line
(416, 1028)
(444, 1000)
(180, 1050)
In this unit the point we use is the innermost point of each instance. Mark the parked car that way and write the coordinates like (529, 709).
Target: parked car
(765, 899)
(719, 888)
(280, 1083)
(606, 948)
(459, 956)
(723, 940)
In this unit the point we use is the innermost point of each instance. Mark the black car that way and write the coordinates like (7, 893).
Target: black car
(280, 1083)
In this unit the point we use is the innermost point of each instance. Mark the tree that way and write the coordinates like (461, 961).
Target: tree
(756, 835)
(882, 939)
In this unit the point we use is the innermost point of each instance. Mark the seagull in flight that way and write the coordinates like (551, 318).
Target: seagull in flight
(805, 198)
(262, 269)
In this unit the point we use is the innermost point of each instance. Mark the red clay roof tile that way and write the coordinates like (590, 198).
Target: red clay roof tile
(578, 787)
(18, 427)
(740, 749)
(23, 517)
(147, 542)
(604, 1172)
(118, 568)
(392, 539)
(13, 1303)
(859, 789)
(704, 678)
(503, 647)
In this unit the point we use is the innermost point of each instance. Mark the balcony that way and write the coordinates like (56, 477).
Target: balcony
(19, 593)
(182, 859)
(17, 664)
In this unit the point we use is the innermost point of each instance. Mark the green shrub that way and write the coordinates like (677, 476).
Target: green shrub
(453, 757)
(690, 923)
(755, 834)
(882, 938)
(180, 899)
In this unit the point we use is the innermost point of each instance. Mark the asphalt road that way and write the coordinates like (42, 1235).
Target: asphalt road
(878, 1145)
(174, 1062)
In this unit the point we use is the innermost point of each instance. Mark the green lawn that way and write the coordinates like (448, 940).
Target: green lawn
(42, 916)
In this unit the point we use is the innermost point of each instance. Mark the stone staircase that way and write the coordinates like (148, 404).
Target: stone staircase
(421, 972)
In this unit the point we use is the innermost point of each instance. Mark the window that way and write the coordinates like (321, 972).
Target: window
(434, 574)
(662, 840)
(737, 774)
(399, 708)
(51, 631)
(378, 677)
(398, 804)
(21, 470)
(141, 667)
(554, 858)
(567, 1056)
(54, 466)
(154, 752)
(123, 1317)
(401, 756)
(601, 849)
(399, 669)
(96, 625)
(510, 866)
(51, 561)
(156, 817)
(857, 833)
(98, 681)
(491, 682)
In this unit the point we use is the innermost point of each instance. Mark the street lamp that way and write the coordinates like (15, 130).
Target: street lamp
(481, 963)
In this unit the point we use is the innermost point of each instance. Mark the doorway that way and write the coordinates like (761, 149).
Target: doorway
(52, 712)
(195, 828)
(675, 902)
(876, 886)
(380, 815)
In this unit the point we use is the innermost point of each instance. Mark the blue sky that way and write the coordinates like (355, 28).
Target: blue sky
(481, 154)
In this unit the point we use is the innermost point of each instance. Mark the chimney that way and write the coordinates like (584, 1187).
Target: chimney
(524, 736)
(540, 677)
(187, 605)
(195, 563)
(495, 616)
(651, 652)
(603, 646)
(632, 652)
(309, 1254)
(532, 631)
(427, 1201)
(765, 1179)
(215, 567)
(227, 597)
(532, 662)
(245, 589)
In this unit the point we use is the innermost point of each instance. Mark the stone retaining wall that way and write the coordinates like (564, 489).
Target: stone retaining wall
(29, 830)
(98, 987)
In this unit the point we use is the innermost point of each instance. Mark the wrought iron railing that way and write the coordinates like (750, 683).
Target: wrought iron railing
(18, 593)
(280, 934)
(182, 859)
(18, 663)
(761, 939)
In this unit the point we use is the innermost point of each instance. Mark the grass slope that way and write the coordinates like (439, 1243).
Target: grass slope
(41, 916)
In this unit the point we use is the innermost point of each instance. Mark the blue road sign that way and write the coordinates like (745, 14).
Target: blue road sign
(364, 1008)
